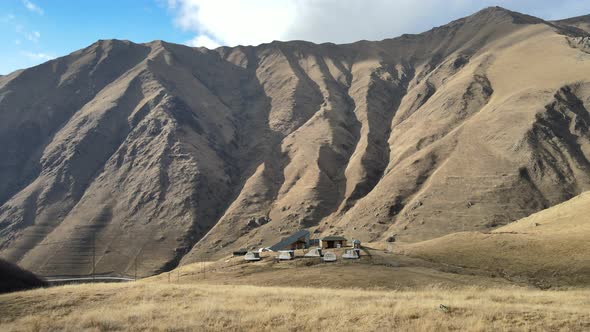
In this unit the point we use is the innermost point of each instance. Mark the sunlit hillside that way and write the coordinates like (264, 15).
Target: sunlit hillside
(546, 248)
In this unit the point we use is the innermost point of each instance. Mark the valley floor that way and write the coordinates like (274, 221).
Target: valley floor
(157, 306)
(382, 291)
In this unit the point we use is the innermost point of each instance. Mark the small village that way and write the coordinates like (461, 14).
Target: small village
(326, 248)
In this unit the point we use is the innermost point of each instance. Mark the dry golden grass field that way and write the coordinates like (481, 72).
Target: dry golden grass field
(385, 290)
(156, 306)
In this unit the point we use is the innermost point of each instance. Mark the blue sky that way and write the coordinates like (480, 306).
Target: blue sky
(29, 37)
(34, 31)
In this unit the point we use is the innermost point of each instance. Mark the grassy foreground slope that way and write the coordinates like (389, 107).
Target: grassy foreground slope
(547, 248)
(226, 295)
(169, 307)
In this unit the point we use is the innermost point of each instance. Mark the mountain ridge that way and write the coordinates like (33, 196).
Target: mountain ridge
(160, 152)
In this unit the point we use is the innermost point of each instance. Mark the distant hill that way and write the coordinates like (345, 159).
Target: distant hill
(153, 155)
(580, 22)
(14, 278)
(550, 247)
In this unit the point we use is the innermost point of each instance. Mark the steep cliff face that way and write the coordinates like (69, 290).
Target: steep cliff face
(146, 154)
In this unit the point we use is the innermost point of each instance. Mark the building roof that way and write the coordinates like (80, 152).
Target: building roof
(334, 238)
(289, 240)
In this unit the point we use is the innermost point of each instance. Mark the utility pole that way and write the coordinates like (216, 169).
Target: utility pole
(93, 254)
(135, 267)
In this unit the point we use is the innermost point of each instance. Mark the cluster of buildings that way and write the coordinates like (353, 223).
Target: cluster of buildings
(285, 248)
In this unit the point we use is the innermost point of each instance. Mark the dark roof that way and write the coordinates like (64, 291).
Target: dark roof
(289, 240)
(334, 238)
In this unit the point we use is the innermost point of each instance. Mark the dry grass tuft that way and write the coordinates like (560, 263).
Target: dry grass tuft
(170, 307)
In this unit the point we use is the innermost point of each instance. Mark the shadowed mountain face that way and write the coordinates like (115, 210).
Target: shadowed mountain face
(149, 154)
(14, 279)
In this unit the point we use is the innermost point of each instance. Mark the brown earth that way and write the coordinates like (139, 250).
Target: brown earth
(159, 153)
(546, 249)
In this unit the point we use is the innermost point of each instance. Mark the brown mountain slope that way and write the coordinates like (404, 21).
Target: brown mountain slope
(580, 22)
(549, 247)
(14, 279)
(138, 152)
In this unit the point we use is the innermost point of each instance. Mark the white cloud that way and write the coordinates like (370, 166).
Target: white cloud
(203, 41)
(7, 18)
(32, 36)
(251, 22)
(38, 56)
(17, 42)
(32, 7)
(348, 21)
(234, 22)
